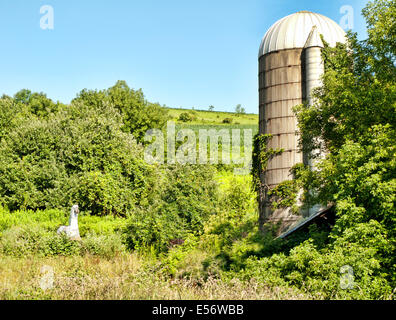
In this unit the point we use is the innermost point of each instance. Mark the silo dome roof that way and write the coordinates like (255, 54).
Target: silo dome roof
(293, 31)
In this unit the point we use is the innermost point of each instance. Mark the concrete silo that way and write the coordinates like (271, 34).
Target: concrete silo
(290, 66)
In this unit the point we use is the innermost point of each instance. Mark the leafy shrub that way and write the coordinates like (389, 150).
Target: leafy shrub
(52, 219)
(105, 193)
(36, 103)
(185, 117)
(319, 271)
(189, 261)
(188, 116)
(29, 240)
(80, 155)
(10, 115)
(316, 268)
(137, 114)
(182, 204)
(228, 120)
(36, 240)
(154, 228)
(210, 253)
(236, 192)
(106, 246)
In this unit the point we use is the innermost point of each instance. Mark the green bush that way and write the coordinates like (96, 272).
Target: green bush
(189, 261)
(153, 229)
(80, 155)
(185, 117)
(51, 220)
(316, 268)
(182, 204)
(228, 120)
(137, 114)
(189, 116)
(319, 272)
(103, 245)
(217, 248)
(10, 114)
(36, 103)
(30, 239)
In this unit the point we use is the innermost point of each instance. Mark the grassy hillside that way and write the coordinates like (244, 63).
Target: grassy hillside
(214, 117)
(215, 120)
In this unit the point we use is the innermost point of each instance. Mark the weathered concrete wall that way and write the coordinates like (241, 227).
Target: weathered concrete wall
(280, 89)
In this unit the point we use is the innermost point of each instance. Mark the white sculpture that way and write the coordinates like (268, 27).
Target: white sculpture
(71, 230)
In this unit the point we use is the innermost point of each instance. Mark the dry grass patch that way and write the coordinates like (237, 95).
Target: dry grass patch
(124, 277)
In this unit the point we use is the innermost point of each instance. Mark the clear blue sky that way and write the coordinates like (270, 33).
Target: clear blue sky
(182, 53)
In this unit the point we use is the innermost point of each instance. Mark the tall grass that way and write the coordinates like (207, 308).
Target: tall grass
(124, 277)
(33, 233)
(52, 219)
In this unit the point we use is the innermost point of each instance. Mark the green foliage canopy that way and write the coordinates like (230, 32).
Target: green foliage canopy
(138, 115)
(80, 154)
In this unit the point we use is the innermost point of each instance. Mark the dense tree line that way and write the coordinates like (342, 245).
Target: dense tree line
(91, 153)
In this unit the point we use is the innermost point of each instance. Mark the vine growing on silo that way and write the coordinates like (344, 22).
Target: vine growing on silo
(283, 195)
(261, 155)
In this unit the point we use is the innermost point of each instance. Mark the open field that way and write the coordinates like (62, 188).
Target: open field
(213, 120)
(214, 117)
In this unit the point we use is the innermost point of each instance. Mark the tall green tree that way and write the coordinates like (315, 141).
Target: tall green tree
(353, 120)
(239, 109)
(78, 155)
(137, 113)
(37, 103)
(358, 89)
